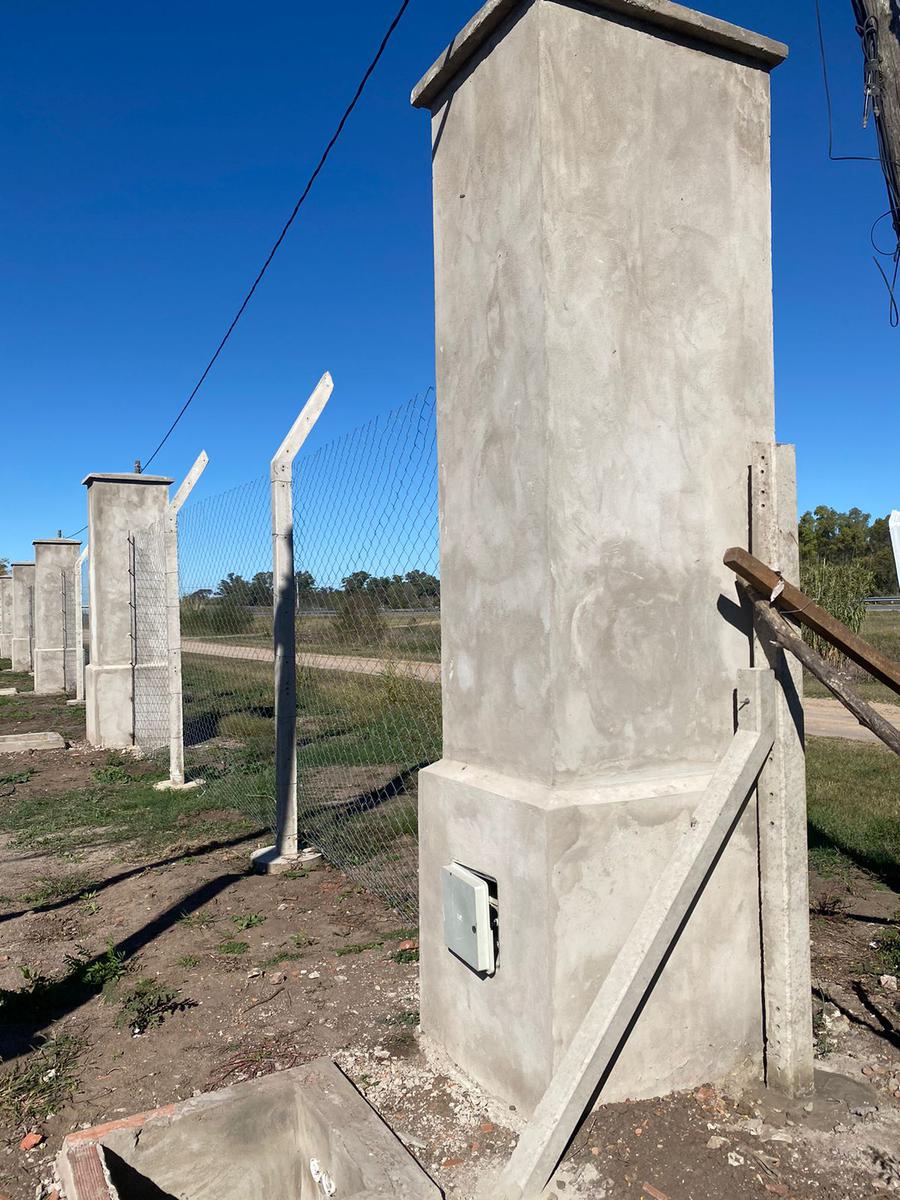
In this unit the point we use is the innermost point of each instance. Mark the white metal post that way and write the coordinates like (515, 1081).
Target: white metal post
(173, 630)
(894, 527)
(284, 853)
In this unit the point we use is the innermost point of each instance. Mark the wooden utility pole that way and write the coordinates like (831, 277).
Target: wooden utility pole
(878, 25)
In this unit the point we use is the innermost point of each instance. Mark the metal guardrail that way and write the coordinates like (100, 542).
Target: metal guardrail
(877, 603)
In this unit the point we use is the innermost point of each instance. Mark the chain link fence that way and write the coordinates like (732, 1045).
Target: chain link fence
(368, 639)
(149, 637)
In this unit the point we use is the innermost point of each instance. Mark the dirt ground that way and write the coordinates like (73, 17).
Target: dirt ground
(141, 978)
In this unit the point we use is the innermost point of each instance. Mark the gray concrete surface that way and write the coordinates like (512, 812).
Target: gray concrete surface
(604, 367)
(22, 641)
(56, 615)
(118, 505)
(781, 796)
(6, 616)
(302, 1133)
(17, 743)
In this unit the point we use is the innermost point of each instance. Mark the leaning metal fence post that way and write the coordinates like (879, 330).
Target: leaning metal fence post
(173, 631)
(283, 854)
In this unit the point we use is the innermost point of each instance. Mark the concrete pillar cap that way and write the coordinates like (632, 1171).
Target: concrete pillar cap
(697, 26)
(126, 477)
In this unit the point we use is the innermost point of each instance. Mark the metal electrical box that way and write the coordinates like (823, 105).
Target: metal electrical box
(468, 927)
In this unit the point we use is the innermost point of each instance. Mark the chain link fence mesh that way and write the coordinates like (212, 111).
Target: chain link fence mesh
(150, 645)
(368, 639)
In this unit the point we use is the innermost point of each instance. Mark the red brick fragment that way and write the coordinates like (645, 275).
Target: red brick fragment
(30, 1140)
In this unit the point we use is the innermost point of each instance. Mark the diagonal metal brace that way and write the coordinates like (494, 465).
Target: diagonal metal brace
(604, 1030)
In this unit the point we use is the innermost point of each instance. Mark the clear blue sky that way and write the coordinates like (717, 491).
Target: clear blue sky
(151, 153)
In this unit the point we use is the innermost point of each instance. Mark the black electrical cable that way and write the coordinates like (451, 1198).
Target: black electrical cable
(834, 157)
(312, 179)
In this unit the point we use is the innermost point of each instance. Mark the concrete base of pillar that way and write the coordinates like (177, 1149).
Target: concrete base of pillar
(168, 785)
(268, 861)
(9, 691)
(109, 715)
(586, 860)
(54, 671)
(75, 703)
(20, 654)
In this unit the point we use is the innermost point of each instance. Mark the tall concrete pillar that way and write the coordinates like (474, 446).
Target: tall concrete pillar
(56, 612)
(22, 641)
(120, 508)
(604, 367)
(5, 616)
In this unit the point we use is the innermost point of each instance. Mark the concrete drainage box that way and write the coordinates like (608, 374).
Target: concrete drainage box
(295, 1135)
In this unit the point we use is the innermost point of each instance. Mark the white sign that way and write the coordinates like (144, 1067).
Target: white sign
(894, 526)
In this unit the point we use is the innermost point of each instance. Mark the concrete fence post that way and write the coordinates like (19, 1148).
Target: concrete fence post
(781, 791)
(22, 641)
(119, 506)
(604, 368)
(284, 853)
(5, 616)
(173, 630)
(55, 651)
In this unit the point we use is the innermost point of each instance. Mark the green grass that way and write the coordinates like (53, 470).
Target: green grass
(231, 948)
(112, 812)
(881, 630)
(853, 803)
(145, 1005)
(41, 1083)
(247, 920)
(347, 724)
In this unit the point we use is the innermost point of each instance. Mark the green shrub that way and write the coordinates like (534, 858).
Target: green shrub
(841, 589)
(214, 617)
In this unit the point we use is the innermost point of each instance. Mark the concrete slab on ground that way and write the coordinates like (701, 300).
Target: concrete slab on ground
(15, 743)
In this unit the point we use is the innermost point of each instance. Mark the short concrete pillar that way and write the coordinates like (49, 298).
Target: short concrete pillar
(604, 368)
(56, 613)
(120, 508)
(5, 616)
(22, 641)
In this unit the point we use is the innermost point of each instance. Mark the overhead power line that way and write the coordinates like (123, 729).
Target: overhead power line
(307, 189)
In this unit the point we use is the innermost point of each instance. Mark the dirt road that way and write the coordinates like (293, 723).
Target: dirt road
(824, 718)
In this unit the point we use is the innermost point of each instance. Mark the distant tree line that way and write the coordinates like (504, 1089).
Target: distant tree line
(415, 589)
(849, 539)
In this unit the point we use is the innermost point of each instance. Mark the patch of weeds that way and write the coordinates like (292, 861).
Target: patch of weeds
(408, 1019)
(42, 1083)
(887, 947)
(188, 961)
(105, 969)
(406, 956)
(358, 948)
(17, 776)
(829, 863)
(112, 772)
(282, 957)
(196, 920)
(294, 874)
(232, 948)
(147, 1004)
(828, 904)
(401, 935)
(302, 940)
(65, 887)
(244, 921)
